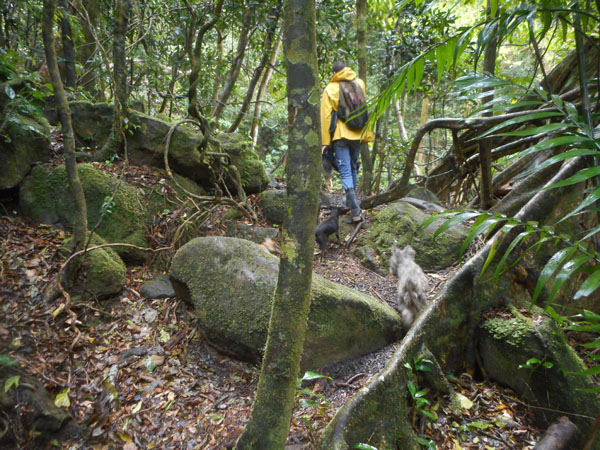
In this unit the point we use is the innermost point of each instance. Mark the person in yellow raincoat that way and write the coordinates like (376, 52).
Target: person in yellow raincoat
(344, 140)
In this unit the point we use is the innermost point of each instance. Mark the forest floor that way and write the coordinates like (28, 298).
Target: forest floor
(174, 390)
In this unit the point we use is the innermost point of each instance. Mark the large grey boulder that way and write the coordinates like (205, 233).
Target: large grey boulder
(231, 282)
(24, 139)
(400, 224)
(146, 141)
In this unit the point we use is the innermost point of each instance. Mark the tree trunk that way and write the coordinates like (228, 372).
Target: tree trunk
(236, 65)
(382, 151)
(68, 50)
(87, 51)
(195, 55)
(270, 418)
(267, 50)
(361, 38)
(116, 140)
(486, 145)
(261, 91)
(399, 117)
(64, 115)
(421, 158)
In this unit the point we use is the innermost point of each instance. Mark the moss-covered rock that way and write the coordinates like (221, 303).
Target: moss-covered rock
(274, 205)
(45, 197)
(102, 274)
(399, 224)
(422, 193)
(252, 170)
(231, 283)
(24, 141)
(146, 139)
(532, 357)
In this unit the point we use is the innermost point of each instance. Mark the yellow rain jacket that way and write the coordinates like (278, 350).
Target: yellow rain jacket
(329, 103)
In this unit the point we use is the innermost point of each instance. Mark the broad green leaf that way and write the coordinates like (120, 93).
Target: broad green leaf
(419, 69)
(587, 201)
(62, 399)
(589, 285)
(520, 119)
(561, 157)
(12, 381)
(7, 360)
(543, 129)
(459, 218)
(475, 231)
(516, 241)
(591, 316)
(565, 272)
(362, 446)
(551, 266)
(591, 371)
(308, 375)
(551, 143)
(579, 177)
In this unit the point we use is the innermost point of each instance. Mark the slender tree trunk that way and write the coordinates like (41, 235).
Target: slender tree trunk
(270, 418)
(68, 50)
(421, 158)
(87, 51)
(195, 54)
(236, 65)
(382, 150)
(400, 119)
(267, 50)
(64, 115)
(116, 139)
(485, 148)
(261, 91)
(218, 80)
(361, 38)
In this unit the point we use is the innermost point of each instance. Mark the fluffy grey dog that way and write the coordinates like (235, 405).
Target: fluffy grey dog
(412, 283)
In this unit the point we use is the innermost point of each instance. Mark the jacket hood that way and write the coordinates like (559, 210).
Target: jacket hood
(346, 74)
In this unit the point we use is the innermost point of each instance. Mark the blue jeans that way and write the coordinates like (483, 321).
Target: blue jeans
(346, 156)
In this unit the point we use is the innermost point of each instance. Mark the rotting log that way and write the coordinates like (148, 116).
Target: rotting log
(379, 414)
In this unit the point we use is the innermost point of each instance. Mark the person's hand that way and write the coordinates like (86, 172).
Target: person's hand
(324, 148)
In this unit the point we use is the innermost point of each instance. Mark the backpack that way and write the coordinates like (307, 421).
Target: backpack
(351, 106)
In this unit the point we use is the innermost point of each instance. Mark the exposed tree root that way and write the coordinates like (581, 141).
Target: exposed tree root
(379, 414)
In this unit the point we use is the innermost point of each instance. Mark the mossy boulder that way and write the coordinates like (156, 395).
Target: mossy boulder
(231, 283)
(274, 205)
(102, 274)
(252, 170)
(24, 141)
(146, 142)
(45, 197)
(530, 354)
(400, 224)
(422, 193)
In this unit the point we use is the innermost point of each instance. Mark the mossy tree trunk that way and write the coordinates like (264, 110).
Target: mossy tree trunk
(361, 38)
(121, 91)
(270, 418)
(87, 52)
(64, 115)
